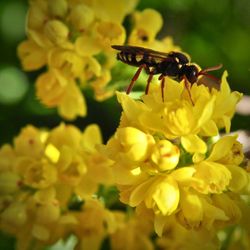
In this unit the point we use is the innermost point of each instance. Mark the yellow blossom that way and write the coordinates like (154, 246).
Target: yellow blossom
(229, 206)
(165, 195)
(58, 8)
(147, 25)
(165, 155)
(29, 142)
(133, 233)
(129, 145)
(37, 14)
(44, 176)
(176, 236)
(33, 56)
(65, 135)
(72, 102)
(93, 224)
(175, 118)
(78, 20)
(69, 37)
(178, 171)
(99, 86)
(56, 32)
(86, 45)
(71, 166)
(40, 174)
(113, 10)
(7, 158)
(225, 104)
(79, 46)
(109, 33)
(214, 177)
(14, 215)
(51, 87)
(9, 182)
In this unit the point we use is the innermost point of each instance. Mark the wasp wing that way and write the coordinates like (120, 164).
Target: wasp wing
(142, 51)
(211, 83)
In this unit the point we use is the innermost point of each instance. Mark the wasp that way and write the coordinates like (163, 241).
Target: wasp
(175, 65)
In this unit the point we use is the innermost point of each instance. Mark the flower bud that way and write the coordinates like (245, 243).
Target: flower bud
(81, 16)
(58, 8)
(8, 182)
(56, 31)
(165, 155)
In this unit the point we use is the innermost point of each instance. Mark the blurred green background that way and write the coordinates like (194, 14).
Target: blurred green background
(212, 32)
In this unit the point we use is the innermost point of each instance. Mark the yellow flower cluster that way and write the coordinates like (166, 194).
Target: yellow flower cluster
(73, 39)
(164, 161)
(48, 186)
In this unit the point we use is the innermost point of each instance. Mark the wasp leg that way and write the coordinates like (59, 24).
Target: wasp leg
(135, 77)
(162, 78)
(187, 86)
(148, 82)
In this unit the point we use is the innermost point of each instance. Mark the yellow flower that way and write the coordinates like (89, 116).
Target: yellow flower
(225, 104)
(176, 171)
(72, 38)
(134, 233)
(14, 215)
(7, 158)
(191, 209)
(56, 31)
(32, 56)
(213, 177)
(228, 151)
(51, 87)
(165, 155)
(9, 182)
(176, 236)
(29, 142)
(65, 135)
(40, 174)
(229, 206)
(109, 33)
(158, 193)
(72, 103)
(94, 222)
(173, 119)
(113, 10)
(130, 145)
(66, 60)
(71, 166)
(147, 25)
(47, 175)
(58, 8)
(79, 21)
(37, 14)
(165, 195)
(99, 86)
(87, 45)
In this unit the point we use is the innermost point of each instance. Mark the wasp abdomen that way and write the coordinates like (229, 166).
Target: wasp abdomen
(130, 59)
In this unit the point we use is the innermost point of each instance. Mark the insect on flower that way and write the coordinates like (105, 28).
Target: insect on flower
(173, 64)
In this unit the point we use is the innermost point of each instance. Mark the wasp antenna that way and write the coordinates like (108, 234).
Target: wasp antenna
(204, 71)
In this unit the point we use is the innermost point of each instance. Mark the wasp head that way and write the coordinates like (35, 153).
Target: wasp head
(191, 72)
